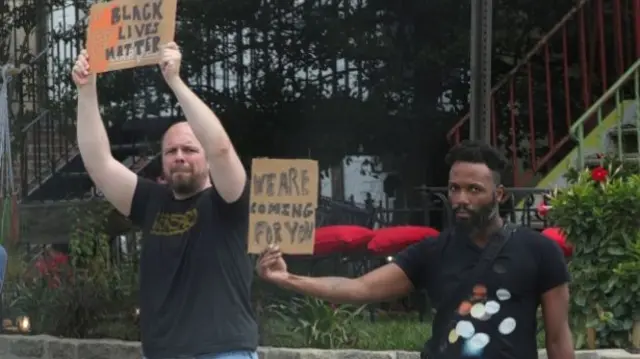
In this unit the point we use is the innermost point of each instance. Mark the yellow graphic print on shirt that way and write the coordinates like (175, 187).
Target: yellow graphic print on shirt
(171, 224)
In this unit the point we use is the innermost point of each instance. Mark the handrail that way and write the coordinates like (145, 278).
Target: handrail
(523, 61)
(607, 95)
(42, 115)
(577, 129)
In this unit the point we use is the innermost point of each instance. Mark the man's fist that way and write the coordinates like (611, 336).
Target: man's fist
(271, 266)
(170, 61)
(81, 73)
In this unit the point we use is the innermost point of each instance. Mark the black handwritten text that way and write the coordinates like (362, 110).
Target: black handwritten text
(277, 232)
(138, 31)
(291, 182)
(293, 210)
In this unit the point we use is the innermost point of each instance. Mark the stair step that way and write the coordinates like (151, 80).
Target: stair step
(627, 129)
(47, 151)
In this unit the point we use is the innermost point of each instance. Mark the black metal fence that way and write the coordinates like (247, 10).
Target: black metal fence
(244, 60)
(433, 209)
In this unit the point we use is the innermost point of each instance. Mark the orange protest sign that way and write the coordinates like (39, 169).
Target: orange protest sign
(128, 33)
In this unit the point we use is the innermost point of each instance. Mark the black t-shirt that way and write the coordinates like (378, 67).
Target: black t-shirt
(498, 318)
(195, 274)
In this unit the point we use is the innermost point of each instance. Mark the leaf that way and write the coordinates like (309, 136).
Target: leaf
(614, 300)
(609, 285)
(592, 323)
(616, 251)
(580, 300)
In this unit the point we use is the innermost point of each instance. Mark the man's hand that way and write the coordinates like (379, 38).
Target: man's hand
(170, 62)
(81, 73)
(271, 266)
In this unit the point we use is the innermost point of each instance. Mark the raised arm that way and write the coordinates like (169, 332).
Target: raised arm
(116, 181)
(227, 172)
(385, 283)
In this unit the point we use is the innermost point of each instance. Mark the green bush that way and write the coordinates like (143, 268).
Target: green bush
(319, 324)
(599, 213)
(77, 296)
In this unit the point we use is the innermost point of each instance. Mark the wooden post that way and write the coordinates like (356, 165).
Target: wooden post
(635, 335)
(591, 338)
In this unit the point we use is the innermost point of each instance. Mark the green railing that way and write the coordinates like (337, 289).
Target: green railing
(617, 93)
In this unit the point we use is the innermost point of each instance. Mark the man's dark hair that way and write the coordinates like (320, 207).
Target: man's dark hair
(479, 152)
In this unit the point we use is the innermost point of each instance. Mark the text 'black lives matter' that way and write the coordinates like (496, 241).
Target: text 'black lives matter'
(293, 218)
(138, 35)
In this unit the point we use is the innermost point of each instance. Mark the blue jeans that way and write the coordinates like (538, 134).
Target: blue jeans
(229, 355)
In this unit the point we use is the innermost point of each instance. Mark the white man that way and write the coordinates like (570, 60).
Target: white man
(195, 274)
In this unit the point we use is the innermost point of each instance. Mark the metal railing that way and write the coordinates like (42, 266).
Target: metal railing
(618, 93)
(535, 104)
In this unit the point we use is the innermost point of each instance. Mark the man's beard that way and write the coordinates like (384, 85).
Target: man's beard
(478, 219)
(186, 184)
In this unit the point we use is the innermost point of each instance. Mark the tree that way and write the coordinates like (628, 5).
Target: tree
(326, 78)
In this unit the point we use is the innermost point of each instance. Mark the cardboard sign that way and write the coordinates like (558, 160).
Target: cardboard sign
(128, 33)
(282, 209)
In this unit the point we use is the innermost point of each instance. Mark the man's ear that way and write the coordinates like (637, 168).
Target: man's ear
(501, 194)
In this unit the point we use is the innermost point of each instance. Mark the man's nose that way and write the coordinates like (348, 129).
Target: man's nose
(460, 198)
(179, 156)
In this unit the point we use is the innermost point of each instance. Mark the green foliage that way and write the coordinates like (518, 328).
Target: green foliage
(391, 60)
(78, 297)
(610, 163)
(601, 220)
(320, 324)
(388, 331)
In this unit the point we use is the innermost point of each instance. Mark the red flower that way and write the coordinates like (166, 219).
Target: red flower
(543, 210)
(599, 174)
(41, 266)
(51, 266)
(59, 258)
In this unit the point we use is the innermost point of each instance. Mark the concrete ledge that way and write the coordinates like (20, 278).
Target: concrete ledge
(47, 347)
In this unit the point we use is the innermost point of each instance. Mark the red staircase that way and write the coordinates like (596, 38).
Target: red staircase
(534, 105)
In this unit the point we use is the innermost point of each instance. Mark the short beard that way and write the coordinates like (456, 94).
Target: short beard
(186, 187)
(480, 219)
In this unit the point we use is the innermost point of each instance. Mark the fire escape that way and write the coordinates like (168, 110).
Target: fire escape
(48, 165)
(535, 105)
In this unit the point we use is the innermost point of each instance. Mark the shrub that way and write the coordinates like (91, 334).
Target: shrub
(599, 213)
(388, 331)
(317, 323)
(80, 295)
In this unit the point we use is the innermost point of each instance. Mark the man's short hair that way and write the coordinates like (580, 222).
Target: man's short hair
(479, 152)
(164, 134)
